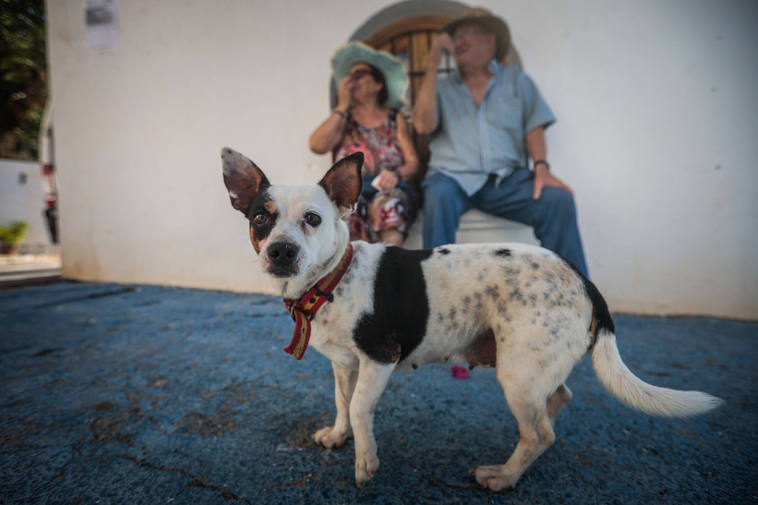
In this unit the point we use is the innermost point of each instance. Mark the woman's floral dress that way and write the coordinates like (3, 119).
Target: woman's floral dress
(385, 209)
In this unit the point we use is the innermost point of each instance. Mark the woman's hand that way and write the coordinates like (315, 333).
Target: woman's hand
(387, 179)
(343, 94)
(328, 134)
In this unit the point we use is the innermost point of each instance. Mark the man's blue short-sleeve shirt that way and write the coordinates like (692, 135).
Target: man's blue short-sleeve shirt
(471, 143)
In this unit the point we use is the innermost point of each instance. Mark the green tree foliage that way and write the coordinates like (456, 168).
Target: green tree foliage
(23, 86)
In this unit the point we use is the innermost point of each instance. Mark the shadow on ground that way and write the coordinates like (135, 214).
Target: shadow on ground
(146, 395)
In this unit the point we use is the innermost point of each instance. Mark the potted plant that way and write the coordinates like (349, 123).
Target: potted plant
(12, 236)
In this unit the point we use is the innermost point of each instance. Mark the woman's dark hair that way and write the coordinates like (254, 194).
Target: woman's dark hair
(379, 77)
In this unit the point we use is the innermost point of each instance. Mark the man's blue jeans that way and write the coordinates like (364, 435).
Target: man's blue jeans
(553, 215)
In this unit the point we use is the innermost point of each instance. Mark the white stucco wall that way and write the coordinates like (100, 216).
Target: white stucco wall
(656, 133)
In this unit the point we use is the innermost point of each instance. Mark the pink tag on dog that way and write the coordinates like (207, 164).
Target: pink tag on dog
(459, 372)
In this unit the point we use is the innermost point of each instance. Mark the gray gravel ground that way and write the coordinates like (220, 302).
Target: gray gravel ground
(148, 395)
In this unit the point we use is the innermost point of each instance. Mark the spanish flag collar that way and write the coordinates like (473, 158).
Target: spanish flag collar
(304, 308)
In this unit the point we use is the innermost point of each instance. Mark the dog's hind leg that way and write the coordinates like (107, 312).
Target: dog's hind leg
(529, 404)
(344, 384)
(372, 379)
(557, 400)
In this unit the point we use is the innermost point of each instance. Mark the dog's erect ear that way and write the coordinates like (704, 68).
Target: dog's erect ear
(242, 178)
(343, 181)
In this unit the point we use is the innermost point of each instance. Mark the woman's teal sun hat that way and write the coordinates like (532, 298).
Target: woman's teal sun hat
(395, 77)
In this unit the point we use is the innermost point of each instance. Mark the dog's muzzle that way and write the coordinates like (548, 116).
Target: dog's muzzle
(282, 258)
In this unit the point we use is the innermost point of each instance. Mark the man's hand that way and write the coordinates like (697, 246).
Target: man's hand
(443, 42)
(425, 110)
(543, 178)
(386, 179)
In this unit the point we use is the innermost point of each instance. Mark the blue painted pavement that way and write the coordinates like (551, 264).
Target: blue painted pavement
(149, 395)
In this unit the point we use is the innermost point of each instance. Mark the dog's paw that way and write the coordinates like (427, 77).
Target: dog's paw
(365, 468)
(492, 477)
(330, 437)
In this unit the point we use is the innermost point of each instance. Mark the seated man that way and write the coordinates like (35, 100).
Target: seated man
(486, 118)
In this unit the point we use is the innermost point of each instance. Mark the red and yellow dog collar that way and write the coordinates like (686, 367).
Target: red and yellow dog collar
(304, 308)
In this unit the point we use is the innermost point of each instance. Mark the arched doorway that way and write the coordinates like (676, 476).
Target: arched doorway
(410, 39)
(407, 30)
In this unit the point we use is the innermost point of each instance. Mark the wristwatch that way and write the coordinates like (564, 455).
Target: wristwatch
(541, 162)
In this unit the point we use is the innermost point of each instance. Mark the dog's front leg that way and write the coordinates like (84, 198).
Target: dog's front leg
(344, 383)
(372, 379)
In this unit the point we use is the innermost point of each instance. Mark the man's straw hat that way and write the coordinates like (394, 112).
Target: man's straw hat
(494, 24)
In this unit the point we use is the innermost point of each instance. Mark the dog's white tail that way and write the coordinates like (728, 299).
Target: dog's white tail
(638, 394)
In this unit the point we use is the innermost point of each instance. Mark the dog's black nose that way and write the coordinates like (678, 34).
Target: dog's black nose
(283, 253)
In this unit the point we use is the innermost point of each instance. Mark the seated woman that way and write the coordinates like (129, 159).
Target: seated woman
(370, 93)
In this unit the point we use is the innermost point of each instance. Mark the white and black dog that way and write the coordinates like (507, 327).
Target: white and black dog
(373, 309)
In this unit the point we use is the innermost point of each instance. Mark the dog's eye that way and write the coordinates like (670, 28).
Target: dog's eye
(260, 219)
(312, 219)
